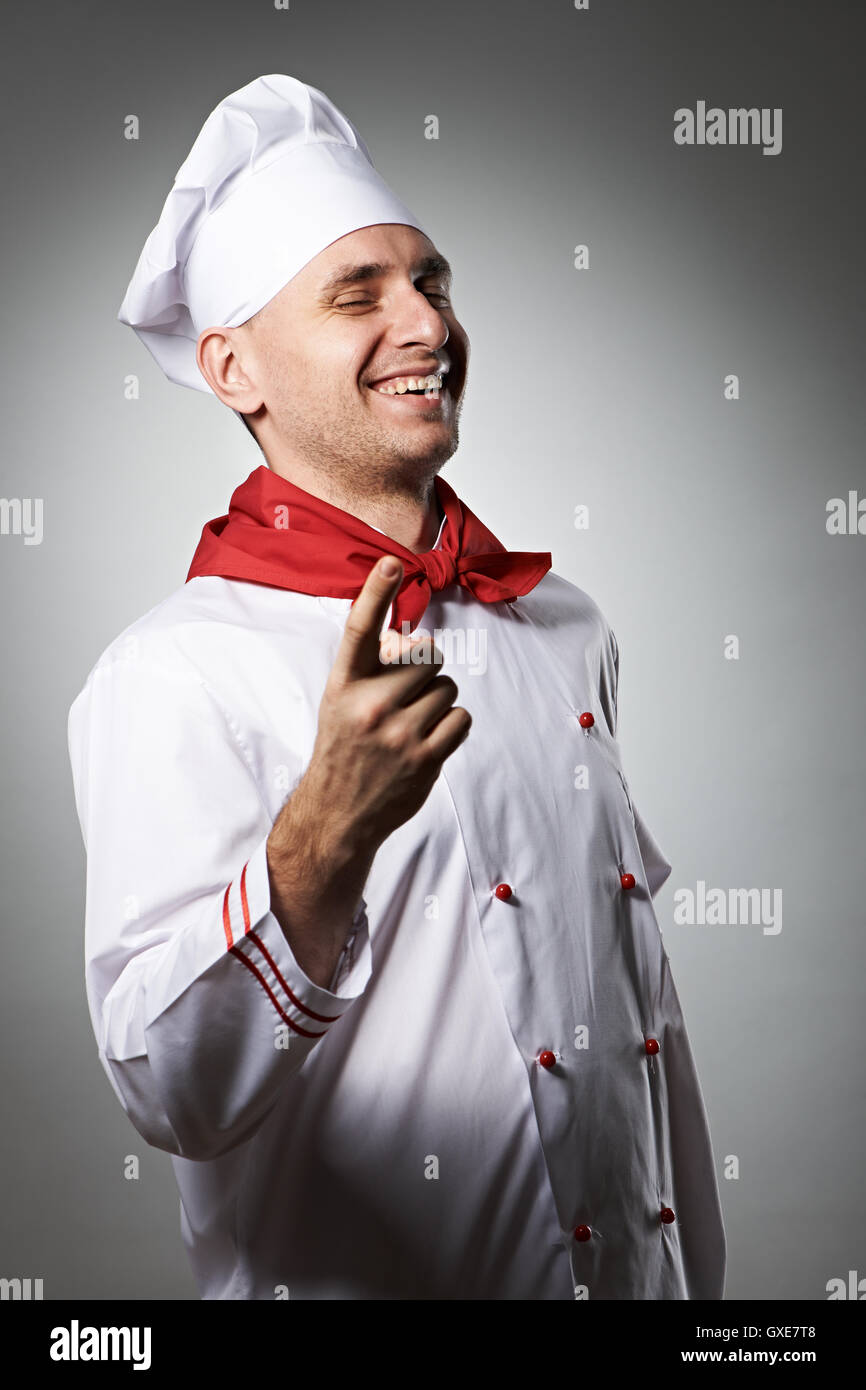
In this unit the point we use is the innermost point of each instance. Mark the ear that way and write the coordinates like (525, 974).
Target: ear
(227, 364)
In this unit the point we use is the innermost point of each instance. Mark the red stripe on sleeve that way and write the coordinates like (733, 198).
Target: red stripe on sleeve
(244, 904)
(236, 951)
(227, 921)
(320, 1018)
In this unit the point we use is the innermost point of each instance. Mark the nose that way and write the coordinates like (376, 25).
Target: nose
(416, 320)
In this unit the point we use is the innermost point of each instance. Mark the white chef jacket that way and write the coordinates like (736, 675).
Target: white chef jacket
(394, 1136)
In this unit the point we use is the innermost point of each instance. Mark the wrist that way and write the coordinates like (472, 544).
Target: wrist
(342, 839)
(312, 858)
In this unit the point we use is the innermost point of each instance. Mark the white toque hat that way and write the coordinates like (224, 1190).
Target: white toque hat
(276, 174)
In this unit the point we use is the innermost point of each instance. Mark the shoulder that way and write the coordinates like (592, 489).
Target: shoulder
(214, 655)
(209, 615)
(556, 602)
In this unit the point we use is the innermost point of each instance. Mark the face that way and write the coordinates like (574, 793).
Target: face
(375, 304)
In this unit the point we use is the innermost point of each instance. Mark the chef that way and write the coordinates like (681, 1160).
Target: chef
(370, 940)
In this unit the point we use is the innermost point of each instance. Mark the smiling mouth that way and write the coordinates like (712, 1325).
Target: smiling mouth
(429, 385)
(409, 398)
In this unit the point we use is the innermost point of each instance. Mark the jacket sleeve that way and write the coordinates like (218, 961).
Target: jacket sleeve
(200, 1010)
(656, 866)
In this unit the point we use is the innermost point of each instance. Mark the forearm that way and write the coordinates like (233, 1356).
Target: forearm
(317, 869)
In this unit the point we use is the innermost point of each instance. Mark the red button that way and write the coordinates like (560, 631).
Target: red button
(547, 1059)
(503, 891)
(652, 1047)
(667, 1216)
(583, 1233)
(627, 880)
(586, 720)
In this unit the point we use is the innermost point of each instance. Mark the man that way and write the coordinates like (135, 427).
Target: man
(379, 970)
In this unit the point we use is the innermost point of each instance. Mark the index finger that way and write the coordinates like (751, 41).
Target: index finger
(358, 652)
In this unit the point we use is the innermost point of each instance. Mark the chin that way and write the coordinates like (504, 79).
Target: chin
(431, 457)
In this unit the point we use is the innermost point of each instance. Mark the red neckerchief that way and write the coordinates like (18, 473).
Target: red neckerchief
(276, 533)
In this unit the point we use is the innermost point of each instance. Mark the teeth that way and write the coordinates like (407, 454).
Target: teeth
(398, 386)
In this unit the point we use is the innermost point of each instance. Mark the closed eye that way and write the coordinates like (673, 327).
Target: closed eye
(350, 303)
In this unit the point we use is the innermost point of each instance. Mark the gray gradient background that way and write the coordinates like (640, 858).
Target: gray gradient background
(602, 387)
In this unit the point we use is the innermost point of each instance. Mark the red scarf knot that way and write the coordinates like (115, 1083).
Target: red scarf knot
(327, 551)
(439, 567)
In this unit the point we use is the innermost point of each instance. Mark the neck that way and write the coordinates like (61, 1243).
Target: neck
(407, 510)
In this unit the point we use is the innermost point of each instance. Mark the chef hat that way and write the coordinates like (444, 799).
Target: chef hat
(276, 174)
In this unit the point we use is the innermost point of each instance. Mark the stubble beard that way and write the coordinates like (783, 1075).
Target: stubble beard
(364, 460)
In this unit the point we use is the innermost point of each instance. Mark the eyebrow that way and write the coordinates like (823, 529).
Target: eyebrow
(346, 275)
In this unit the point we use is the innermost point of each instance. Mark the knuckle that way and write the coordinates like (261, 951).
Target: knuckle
(463, 721)
(371, 714)
(394, 736)
(354, 629)
(447, 684)
(423, 765)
